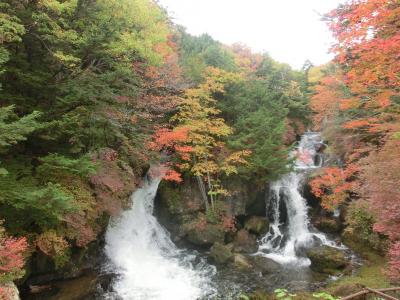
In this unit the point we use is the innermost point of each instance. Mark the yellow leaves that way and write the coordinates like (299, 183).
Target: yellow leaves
(51, 244)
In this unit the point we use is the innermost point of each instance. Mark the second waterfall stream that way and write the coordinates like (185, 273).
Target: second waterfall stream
(147, 263)
(289, 231)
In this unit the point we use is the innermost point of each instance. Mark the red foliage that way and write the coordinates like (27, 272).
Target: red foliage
(394, 263)
(172, 142)
(333, 185)
(368, 44)
(12, 254)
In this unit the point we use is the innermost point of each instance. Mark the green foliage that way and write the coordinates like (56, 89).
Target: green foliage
(258, 118)
(325, 296)
(283, 294)
(360, 221)
(200, 52)
(53, 164)
(24, 200)
(14, 129)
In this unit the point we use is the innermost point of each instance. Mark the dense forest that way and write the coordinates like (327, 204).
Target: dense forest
(93, 92)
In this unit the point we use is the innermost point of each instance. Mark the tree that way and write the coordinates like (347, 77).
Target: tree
(206, 132)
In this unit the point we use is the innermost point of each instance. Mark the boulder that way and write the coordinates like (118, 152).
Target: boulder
(221, 254)
(241, 262)
(206, 236)
(325, 259)
(265, 264)
(244, 242)
(257, 225)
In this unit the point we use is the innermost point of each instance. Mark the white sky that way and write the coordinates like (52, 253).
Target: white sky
(289, 30)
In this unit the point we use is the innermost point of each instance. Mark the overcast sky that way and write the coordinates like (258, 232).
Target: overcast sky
(290, 30)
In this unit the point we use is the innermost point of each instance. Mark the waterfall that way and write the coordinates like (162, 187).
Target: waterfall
(149, 266)
(289, 233)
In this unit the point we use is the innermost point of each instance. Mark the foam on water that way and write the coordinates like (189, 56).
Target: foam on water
(148, 264)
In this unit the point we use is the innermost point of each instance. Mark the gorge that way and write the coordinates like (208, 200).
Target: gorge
(277, 181)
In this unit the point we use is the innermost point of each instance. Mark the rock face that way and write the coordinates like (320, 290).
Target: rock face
(245, 242)
(221, 254)
(325, 259)
(206, 235)
(257, 225)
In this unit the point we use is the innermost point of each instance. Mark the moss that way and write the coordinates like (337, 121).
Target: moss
(171, 196)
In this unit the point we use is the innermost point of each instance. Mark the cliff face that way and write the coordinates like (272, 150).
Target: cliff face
(181, 210)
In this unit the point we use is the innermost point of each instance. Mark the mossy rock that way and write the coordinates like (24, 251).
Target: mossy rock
(257, 225)
(325, 259)
(245, 242)
(327, 224)
(221, 254)
(206, 236)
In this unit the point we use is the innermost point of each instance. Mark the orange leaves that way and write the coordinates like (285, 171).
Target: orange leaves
(368, 44)
(362, 123)
(165, 138)
(172, 175)
(333, 185)
(327, 96)
(346, 104)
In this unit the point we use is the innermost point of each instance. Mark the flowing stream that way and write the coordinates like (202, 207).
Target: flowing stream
(290, 231)
(147, 263)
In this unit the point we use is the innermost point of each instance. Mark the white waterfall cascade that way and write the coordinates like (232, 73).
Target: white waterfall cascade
(148, 264)
(285, 240)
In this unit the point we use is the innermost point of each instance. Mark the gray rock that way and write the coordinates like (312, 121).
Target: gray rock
(242, 262)
(266, 265)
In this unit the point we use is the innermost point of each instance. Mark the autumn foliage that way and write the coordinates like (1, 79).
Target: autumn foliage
(366, 115)
(12, 260)
(333, 185)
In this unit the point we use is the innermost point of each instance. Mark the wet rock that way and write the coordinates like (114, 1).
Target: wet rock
(221, 254)
(205, 235)
(265, 264)
(241, 261)
(257, 225)
(11, 290)
(325, 259)
(327, 224)
(245, 242)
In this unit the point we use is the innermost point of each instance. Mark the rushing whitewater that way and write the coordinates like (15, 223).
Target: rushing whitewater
(289, 235)
(148, 264)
